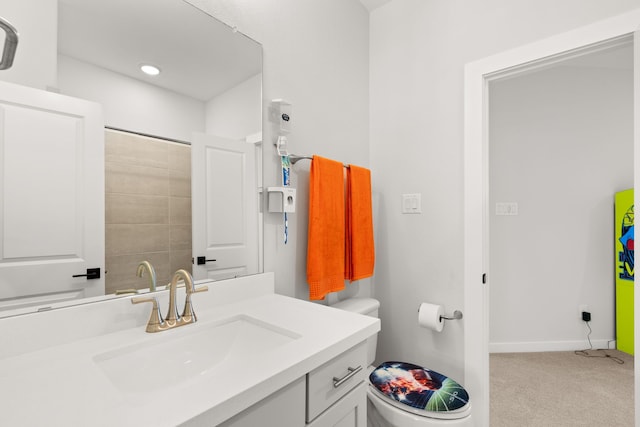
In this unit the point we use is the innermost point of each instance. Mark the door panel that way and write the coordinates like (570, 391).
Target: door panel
(225, 204)
(51, 197)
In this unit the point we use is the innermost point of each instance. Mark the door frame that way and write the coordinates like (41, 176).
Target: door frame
(478, 74)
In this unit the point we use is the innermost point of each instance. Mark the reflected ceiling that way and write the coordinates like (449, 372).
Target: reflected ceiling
(175, 48)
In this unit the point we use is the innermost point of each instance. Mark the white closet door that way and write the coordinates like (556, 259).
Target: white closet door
(224, 200)
(51, 197)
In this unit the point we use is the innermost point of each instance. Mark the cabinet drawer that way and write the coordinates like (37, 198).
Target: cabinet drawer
(329, 382)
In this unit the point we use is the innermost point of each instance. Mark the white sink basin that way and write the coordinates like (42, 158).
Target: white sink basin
(178, 355)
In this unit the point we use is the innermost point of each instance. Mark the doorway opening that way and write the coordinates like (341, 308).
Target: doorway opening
(478, 76)
(560, 145)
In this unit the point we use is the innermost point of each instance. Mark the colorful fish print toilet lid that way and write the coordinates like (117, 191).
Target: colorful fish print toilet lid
(419, 388)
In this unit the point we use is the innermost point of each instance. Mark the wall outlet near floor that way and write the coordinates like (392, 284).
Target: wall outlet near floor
(581, 309)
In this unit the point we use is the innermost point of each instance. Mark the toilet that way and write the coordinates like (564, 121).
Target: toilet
(401, 394)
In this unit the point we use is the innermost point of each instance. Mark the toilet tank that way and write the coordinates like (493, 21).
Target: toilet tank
(368, 307)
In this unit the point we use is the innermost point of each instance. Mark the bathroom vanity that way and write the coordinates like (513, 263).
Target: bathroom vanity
(253, 358)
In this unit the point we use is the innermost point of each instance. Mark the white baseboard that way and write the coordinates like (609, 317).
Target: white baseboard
(536, 346)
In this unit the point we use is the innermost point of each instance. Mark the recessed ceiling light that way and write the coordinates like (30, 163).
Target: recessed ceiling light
(149, 69)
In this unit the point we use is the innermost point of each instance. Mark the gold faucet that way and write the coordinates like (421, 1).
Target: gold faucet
(146, 265)
(155, 323)
(188, 315)
(172, 319)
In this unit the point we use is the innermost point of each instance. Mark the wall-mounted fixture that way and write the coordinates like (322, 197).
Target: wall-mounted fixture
(282, 199)
(281, 114)
(10, 44)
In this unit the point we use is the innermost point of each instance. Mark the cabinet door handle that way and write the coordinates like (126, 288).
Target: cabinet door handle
(337, 382)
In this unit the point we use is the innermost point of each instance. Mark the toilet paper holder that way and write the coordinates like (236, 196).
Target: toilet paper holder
(457, 315)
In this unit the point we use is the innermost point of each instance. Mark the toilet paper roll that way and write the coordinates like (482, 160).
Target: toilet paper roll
(430, 316)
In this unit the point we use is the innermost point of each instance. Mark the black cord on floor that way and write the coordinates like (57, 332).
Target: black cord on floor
(585, 353)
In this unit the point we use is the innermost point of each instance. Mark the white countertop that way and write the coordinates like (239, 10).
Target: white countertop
(63, 385)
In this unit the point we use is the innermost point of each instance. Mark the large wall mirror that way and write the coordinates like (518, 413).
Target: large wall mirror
(182, 154)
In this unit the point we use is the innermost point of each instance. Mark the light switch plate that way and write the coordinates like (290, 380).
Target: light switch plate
(411, 203)
(506, 208)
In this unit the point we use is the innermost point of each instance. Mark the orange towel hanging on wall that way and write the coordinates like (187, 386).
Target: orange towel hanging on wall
(360, 251)
(325, 250)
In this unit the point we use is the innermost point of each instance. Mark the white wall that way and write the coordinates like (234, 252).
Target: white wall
(561, 143)
(236, 113)
(131, 104)
(418, 50)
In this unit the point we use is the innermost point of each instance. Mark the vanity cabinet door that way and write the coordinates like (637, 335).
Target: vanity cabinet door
(284, 408)
(350, 411)
(328, 383)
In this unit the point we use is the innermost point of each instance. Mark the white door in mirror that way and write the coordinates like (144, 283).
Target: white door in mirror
(224, 190)
(52, 193)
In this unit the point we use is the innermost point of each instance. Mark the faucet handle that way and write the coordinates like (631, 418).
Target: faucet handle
(188, 315)
(155, 323)
(203, 288)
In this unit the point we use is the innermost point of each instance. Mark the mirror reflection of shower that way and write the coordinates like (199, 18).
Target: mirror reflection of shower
(10, 44)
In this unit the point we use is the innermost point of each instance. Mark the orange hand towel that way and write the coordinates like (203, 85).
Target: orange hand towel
(360, 251)
(325, 250)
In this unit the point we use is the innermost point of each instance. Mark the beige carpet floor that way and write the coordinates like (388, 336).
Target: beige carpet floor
(562, 389)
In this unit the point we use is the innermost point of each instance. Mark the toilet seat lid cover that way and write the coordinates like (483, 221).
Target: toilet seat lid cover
(419, 388)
